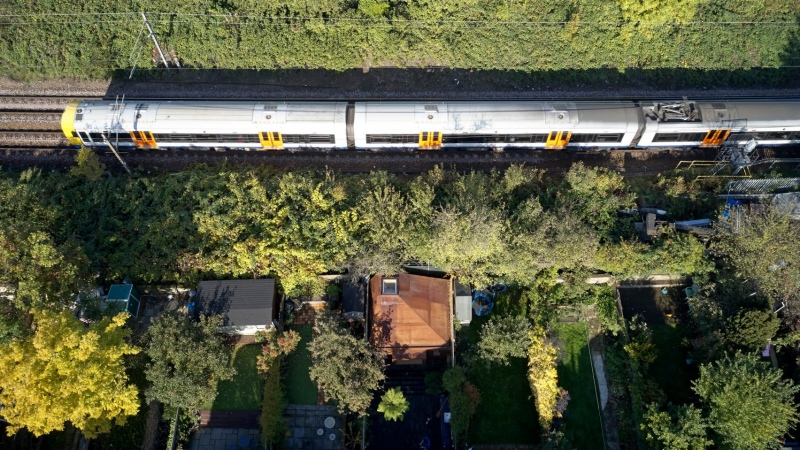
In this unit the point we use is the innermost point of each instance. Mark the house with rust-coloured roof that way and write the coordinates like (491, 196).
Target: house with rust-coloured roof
(411, 317)
(247, 306)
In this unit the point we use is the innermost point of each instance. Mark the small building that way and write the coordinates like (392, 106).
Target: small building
(463, 303)
(354, 300)
(124, 297)
(247, 306)
(411, 317)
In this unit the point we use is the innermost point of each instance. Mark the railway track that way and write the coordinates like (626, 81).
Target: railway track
(35, 138)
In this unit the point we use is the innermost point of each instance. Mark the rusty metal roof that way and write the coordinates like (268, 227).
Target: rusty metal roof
(413, 321)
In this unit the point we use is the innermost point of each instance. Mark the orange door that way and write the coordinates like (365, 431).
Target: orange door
(271, 140)
(143, 139)
(430, 140)
(715, 138)
(557, 140)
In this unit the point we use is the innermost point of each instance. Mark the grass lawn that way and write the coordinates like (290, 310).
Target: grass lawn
(506, 414)
(669, 369)
(243, 392)
(299, 387)
(575, 375)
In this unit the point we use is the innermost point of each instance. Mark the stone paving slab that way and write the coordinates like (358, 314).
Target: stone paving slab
(305, 421)
(224, 439)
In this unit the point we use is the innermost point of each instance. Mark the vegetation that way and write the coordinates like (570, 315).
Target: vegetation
(344, 367)
(575, 374)
(748, 404)
(684, 428)
(545, 35)
(275, 344)
(271, 421)
(393, 405)
(464, 398)
(541, 235)
(64, 373)
(242, 392)
(503, 338)
(188, 360)
(299, 387)
(543, 376)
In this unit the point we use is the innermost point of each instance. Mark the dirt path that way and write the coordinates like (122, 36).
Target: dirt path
(596, 347)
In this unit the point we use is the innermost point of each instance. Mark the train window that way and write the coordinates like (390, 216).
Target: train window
(492, 138)
(693, 136)
(244, 138)
(617, 137)
(580, 138)
(667, 137)
(309, 139)
(120, 137)
(74, 133)
(322, 139)
(97, 137)
(83, 136)
(780, 135)
(392, 138)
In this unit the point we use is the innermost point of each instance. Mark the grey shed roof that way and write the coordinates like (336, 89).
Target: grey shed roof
(463, 303)
(353, 295)
(243, 302)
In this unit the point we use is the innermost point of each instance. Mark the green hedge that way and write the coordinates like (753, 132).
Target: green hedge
(542, 35)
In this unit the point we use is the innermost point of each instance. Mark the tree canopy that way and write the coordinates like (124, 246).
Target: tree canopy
(749, 405)
(67, 373)
(188, 359)
(346, 369)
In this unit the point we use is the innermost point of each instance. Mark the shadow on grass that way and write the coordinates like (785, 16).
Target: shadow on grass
(243, 392)
(669, 369)
(299, 387)
(575, 375)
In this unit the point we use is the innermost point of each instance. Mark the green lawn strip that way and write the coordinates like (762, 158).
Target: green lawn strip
(576, 376)
(506, 414)
(299, 387)
(243, 392)
(669, 369)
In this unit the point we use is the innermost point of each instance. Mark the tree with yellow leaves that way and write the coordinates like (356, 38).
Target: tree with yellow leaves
(542, 376)
(65, 372)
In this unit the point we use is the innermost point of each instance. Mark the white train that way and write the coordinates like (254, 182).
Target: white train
(272, 125)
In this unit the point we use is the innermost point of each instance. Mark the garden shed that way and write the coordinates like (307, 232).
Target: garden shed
(126, 296)
(247, 306)
(463, 303)
(353, 300)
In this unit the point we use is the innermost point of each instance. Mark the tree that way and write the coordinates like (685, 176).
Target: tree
(188, 360)
(345, 368)
(67, 373)
(542, 376)
(748, 403)
(88, 165)
(503, 338)
(273, 346)
(393, 404)
(464, 398)
(271, 421)
(751, 329)
(764, 248)
(683, 428)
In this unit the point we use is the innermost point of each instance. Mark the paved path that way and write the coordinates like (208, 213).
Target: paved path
(305, 422)
(223, 438)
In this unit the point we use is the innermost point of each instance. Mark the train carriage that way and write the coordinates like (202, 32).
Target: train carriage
(194, 124)
(462, 124)
(273, 125)
(710, 124)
